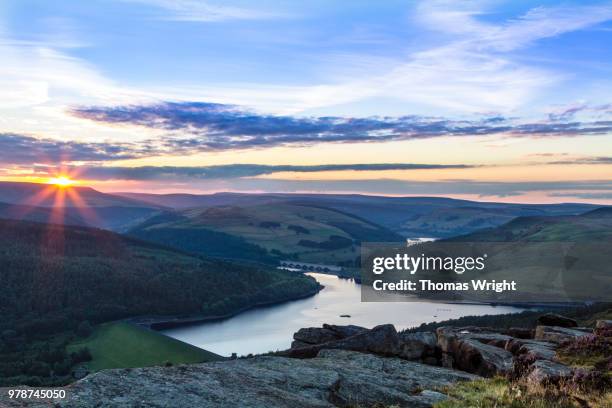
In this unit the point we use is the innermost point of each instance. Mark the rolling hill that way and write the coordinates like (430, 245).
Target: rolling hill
(55, 278)
(559, 258)
(45, 195)
(123, 345)
(592, 226)
(71, 206)
(410, 217)
(78, 272)
(266, 232)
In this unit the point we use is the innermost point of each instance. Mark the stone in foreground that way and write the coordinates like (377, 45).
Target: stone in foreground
(553, 319)
(558, 335)
(476, 350)
(335, 378)
(544, 372)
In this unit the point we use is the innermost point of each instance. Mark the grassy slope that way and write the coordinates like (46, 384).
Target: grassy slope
(501, 393)
(592, 226)
(121, 345)
(249, 224)
(410, 216)
(532, 255)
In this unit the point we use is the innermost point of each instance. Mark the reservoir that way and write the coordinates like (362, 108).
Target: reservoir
(271, 328)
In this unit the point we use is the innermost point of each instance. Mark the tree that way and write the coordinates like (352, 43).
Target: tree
(84, 330)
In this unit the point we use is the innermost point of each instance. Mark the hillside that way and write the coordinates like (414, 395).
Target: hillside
(46, 195)
(266, 232)
(560, 258)
(54, 277)
(409, 216)
(122, 345)
(71, 206)
(595, 225)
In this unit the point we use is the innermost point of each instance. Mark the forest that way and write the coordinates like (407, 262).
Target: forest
(58, 280)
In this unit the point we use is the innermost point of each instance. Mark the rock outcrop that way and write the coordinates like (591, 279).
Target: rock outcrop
(553, 319)
(335, 378)
(532, 349)
(317, 335)
(341, 366)
(383, 340)
(603, 324)
(418, 346)
(475, 350)
(558, 335)
(544, 371)
(481, 351)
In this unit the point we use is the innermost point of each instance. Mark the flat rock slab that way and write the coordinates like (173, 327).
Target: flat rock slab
(382, 340)
(335, 378)
(476, 351)
(553, 319)
(558, 335)
(544, 371)
(535, 349)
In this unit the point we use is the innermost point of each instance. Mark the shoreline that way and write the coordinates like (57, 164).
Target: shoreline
(158, 323)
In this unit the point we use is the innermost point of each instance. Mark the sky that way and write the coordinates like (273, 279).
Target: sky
(485, 100)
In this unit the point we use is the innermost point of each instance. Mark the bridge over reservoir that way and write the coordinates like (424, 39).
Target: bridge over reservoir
(309, 267)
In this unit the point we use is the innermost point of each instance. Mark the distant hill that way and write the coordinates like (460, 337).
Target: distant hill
(411, 217)
(551, 258)
(266, 232)
(37, 214)
(46, 195)
(595, 225)
(71, 206)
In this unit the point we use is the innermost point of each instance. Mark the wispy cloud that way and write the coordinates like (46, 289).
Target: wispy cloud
(18, 149)
(232, 171)
(472, 64)
(197, 126)
(436, 188)
(205, 11)
(584, 160)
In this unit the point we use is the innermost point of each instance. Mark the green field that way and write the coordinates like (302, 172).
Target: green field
(280, 230)
(122, 345)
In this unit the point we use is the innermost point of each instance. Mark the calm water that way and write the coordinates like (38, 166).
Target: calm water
(271, 328)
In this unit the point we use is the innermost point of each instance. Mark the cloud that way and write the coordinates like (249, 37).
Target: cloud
(204, 11)
(585, 160)
(231, 171)
(27, 150)
(461, 20)
(423, 188)
(201, 126)
(586, 196)
(463, 62)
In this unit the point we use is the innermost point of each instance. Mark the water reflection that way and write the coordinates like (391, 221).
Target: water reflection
(271, 328)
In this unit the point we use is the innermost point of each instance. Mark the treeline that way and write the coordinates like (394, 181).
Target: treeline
(526, 319)
(52, 278)
(333, 242)
(206, 242)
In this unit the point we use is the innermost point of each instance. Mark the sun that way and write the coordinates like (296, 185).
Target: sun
(61, 181)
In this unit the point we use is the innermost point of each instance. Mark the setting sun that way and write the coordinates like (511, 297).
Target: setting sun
(61, 181)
